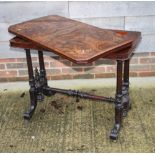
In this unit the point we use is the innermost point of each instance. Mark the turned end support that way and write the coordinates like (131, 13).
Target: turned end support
(28, 115)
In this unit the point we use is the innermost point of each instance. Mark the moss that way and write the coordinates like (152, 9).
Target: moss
(64, 127)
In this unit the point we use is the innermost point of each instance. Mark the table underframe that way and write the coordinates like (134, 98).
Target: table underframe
(39, 87)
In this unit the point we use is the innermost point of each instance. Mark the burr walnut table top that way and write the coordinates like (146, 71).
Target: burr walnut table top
(74, 40)
(20, 43)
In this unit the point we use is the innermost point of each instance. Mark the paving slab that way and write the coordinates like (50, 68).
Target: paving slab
(139, 82)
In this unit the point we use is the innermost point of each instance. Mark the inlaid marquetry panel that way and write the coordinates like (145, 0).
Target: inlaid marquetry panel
(76, 41)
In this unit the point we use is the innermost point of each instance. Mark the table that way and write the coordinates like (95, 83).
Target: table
(82, 44)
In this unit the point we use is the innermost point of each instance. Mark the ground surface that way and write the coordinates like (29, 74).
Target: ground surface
(62, 125)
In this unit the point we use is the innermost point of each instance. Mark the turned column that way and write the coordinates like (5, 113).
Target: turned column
(125, 88)
(32, 91)
(42, 68)
(118, 102)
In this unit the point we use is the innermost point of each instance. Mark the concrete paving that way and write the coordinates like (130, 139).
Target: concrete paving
(62, 125)
(82, 83)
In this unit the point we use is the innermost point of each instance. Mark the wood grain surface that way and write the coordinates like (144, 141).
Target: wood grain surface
(17, 42)
(76, 41)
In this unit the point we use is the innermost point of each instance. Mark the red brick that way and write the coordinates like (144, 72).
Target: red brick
(94, 70)
(23, 73)
(139, 67)
(111, 69)
(24, 59)
(61, 77)
(71, 70)
(105, 75)
(8, 60)
(105, 62)
(16, 65)
(21, 59)
(48, 77)
(89, 71)
(8, 73)
(36, 64)
(133, 74)
(53, 71)
(89, 64)
(34, 58)
(57, 63)
(61, 58)
(147, 60)
(134, 60)
(152, 53)
(47, 65)
(145, 54)
(152, 67)
(144, 74)
(13, 79)
(2, 66)
(51, 58)
(56, 77)
(83, 76)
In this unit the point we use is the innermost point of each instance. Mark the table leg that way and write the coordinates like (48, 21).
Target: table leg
(43, 80)
(40, 77)
(32, 91)
(42, 68)
(118, 103)
(125, 89)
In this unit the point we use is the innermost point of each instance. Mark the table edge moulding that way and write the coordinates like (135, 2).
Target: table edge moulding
(81, 43)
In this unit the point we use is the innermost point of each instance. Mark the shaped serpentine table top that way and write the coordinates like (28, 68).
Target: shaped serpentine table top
(76, 41)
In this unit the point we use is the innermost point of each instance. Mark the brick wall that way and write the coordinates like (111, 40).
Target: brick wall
(15, 69)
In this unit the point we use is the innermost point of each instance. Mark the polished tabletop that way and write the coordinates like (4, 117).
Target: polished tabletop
(74, 40)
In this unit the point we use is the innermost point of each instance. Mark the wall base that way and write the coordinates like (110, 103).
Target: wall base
(15, 69)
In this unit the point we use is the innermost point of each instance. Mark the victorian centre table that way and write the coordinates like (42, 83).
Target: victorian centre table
(80, 43)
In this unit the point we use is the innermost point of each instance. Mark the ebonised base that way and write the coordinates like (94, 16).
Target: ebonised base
(39, 88)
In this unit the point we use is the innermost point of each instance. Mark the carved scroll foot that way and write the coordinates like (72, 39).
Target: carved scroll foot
(33, 101)
(28, 115)
(115, 132)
